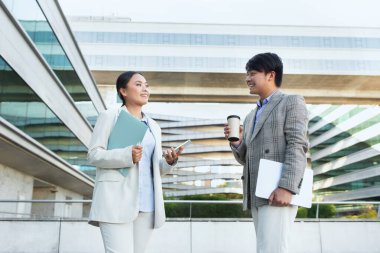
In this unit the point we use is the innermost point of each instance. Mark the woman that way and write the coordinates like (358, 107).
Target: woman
(127, 208)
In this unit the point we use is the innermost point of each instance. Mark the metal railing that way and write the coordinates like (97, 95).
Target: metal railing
(196, 207)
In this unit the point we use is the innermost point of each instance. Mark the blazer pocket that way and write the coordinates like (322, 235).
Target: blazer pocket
(114, 176)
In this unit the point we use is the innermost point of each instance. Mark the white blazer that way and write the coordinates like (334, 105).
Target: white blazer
(115, 197)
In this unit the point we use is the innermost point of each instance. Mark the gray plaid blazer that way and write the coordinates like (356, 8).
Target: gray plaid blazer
(280, 135)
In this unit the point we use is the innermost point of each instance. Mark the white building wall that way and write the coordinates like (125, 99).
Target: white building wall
(191, 237)
(72, 210)
(15, 185)
(61, 210)
(120, 25)
(354, 54)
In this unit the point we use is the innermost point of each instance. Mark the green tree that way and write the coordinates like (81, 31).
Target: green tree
(370, 214)
(302, 212)
(207, 210)
(325, 211)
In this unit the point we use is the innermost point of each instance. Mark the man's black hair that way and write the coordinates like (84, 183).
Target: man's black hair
(266, 62)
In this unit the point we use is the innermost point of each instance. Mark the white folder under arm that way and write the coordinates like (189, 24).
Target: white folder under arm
(269, 178)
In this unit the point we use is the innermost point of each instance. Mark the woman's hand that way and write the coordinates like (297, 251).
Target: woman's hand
(137, 153)
(171, 156)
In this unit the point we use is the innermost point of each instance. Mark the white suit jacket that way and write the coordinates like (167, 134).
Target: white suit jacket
(115, 197)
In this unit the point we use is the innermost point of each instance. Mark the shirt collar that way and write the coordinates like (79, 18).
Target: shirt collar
(144, 118)
(265, 101)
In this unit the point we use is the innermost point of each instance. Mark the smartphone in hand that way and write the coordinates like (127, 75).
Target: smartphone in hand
(182, 145)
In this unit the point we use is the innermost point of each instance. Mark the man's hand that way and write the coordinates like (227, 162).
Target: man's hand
(227, 133)
(280, 197)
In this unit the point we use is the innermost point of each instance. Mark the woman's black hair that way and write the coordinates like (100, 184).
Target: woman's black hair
(122, 82)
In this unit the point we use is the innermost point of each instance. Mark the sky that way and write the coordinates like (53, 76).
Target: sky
(350, 13)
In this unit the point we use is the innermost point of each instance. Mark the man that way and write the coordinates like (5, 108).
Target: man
(275, 130)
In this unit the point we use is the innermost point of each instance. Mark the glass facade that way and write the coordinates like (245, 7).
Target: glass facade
(351, 154)
(37, 27)
(227, 40)
(24, 109)
(227, 64)
(20, 106)
(228, 60)
(236, 64)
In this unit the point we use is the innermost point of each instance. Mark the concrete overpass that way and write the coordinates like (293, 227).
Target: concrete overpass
(231, 88)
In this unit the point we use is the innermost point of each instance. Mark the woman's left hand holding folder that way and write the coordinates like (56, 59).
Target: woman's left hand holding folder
(137, 153)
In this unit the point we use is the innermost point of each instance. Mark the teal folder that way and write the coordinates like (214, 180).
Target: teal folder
(127, 131)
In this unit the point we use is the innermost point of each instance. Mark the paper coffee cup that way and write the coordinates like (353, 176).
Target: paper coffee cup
(234, 125)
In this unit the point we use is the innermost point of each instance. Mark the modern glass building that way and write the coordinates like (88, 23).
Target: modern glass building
(345, 152)
(337, 70)
(48, 103)
(49, 99)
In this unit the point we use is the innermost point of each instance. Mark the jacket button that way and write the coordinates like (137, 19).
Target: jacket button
(266, 151)
(242, 177)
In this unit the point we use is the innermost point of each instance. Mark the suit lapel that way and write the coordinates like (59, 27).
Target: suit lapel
(155, 133)
(250, 120)
(276, 98)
